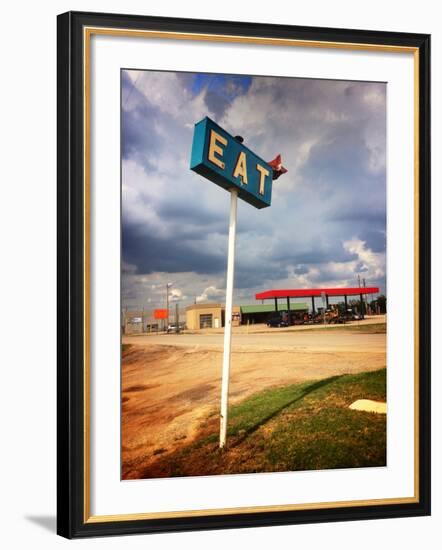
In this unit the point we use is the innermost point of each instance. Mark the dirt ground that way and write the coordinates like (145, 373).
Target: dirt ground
(171, 383)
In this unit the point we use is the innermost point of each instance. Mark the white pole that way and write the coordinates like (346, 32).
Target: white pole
(228, 318)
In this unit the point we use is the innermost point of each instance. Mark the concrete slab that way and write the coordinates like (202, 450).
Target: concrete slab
(369, 406)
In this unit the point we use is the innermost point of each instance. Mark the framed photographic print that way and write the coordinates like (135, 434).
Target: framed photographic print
(243, 274)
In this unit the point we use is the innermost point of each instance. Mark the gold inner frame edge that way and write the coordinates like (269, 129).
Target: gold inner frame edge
(87, 33)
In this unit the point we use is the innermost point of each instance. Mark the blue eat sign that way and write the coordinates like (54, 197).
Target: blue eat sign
(222, 159)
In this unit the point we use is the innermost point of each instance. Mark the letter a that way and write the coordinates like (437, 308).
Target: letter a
(241, 168)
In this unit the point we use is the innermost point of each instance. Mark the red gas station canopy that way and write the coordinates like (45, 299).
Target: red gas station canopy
(312, 292)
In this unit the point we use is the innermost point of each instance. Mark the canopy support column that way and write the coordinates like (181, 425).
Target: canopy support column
(362, 306)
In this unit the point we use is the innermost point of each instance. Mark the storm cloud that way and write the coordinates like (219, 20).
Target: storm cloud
(327, 222)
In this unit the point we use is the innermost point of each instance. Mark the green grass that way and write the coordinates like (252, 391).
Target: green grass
(261, 408)
(297, 427)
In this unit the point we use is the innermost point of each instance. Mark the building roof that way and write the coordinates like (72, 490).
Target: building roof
(206, 305)
(271, 307)
(312, 292)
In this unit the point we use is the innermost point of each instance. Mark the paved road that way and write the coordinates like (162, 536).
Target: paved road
(333, 340)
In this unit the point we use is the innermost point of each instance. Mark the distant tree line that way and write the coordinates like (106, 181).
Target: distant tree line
(381, 301)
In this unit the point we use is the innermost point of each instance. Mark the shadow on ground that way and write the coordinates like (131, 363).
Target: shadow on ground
(264, 419)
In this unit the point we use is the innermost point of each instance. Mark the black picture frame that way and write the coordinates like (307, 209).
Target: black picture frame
(73, 520)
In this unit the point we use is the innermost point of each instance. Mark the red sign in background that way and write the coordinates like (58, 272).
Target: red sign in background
(160, 313)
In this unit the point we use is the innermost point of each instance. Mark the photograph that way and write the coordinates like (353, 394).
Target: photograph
(253, 274)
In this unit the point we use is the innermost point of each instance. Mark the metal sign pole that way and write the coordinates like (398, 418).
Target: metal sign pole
(228, 318)
(224, 160)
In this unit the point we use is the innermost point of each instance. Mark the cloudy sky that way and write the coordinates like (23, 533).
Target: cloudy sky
(327, 220)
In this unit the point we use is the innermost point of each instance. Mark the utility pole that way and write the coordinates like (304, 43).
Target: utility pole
(361, 302)
(366, 297)
(168, 285)
(124, 320)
